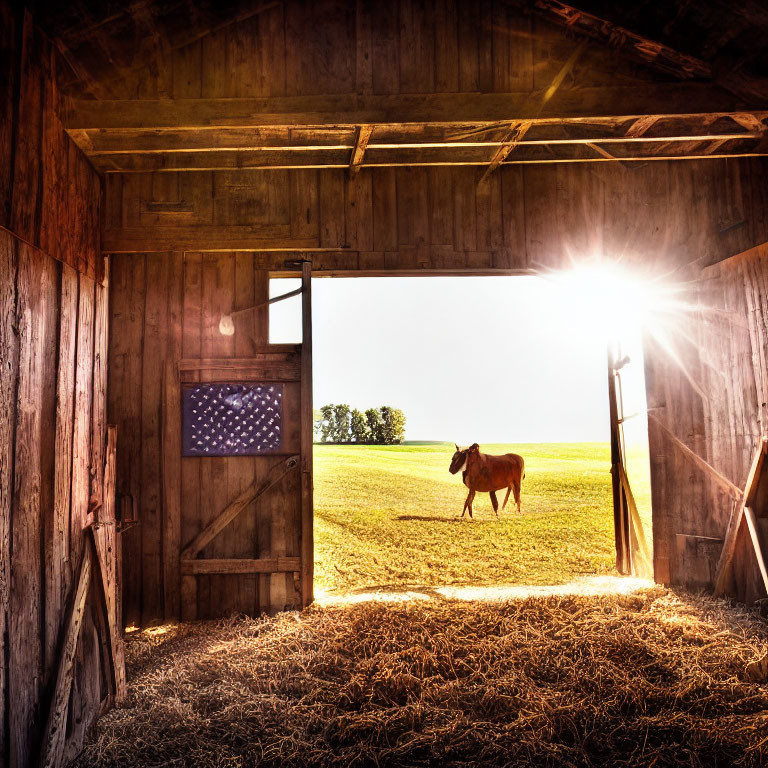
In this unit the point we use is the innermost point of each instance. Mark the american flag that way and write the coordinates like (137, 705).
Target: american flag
(232, 419)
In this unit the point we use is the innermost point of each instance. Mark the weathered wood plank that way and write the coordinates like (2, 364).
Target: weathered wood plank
(332, 221)
(261, 533)
(58, 575)
(9, 372)
(191, 521)
(47, 322)
(153, 350)
(100, 365)
(27, 176)
(108, 548)
(165, 238)
(250, 331)
(55, 732)
(9, 66)
(224, 566)
(81, 441)
(353, 109)
(25, 652)
(262, 354)
(218, 281)
(171, 442)
(364, 45)
(125, 410)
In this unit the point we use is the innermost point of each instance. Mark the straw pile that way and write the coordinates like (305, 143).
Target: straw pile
(655, 678)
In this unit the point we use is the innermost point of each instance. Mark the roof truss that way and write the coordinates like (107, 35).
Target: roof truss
(489, 143)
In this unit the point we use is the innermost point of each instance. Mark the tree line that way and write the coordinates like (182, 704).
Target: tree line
(342, 424)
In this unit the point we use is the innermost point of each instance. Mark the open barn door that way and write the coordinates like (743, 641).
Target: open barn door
(632, 555)
(246, 462)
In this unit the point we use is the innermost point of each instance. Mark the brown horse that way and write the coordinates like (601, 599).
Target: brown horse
(483, 472)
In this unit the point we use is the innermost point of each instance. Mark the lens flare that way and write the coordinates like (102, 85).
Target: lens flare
(618, 302)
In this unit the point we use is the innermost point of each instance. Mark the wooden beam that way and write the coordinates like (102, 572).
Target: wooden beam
(55, 731)
(749, 516)
(191, 567)
(443, 108)
(652, 53)
(183, 238)
(714, 146)
(602, 152)
(241, 363)
(512, 139)
(694, 457)
(104, 143)
(641, 126)
(655, 54)
(105, 540)
(533, 152)
(723, 572)
(364, 133)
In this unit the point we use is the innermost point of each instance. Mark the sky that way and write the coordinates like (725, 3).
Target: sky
(468, 359)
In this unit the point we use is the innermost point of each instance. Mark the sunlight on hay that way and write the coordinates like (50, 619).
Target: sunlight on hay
(593, 585)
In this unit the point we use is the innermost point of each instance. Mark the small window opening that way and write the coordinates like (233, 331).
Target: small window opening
(285, 316)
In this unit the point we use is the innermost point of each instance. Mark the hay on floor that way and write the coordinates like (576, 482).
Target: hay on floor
(655, 678)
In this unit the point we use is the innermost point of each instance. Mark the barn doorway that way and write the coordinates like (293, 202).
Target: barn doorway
(387, 516)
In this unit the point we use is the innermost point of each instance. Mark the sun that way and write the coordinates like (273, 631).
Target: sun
(621, 303)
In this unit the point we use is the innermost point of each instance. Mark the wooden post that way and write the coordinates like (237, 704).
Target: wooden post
(620, 509)
(307, 516)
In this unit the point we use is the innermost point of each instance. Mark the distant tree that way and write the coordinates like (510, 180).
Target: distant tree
(375, 425)
(326, 423)
(341, 427)
(393, 420)
(358, 426)
(341, 424)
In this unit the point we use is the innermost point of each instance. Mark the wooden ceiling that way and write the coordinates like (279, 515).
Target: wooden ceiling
(690, 83)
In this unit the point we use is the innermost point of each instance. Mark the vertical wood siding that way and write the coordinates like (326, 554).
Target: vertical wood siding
(53, 310)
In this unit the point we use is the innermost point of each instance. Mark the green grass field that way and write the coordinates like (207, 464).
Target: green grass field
(388, 517)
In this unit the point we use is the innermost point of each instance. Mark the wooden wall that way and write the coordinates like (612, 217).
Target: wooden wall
(711, 395)
(441, 219)
(166, 309)
(300, 48)
(49, 192)
(53, 335)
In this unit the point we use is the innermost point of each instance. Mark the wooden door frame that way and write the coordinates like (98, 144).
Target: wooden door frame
(307, 503)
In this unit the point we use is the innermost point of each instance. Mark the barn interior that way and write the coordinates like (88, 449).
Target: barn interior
(161, 160)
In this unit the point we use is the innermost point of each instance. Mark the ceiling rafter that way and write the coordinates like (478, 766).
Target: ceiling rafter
(653, 53)
(364, 133)
(641, 126)
(660, 56)
(354, 146)
(514, 136)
